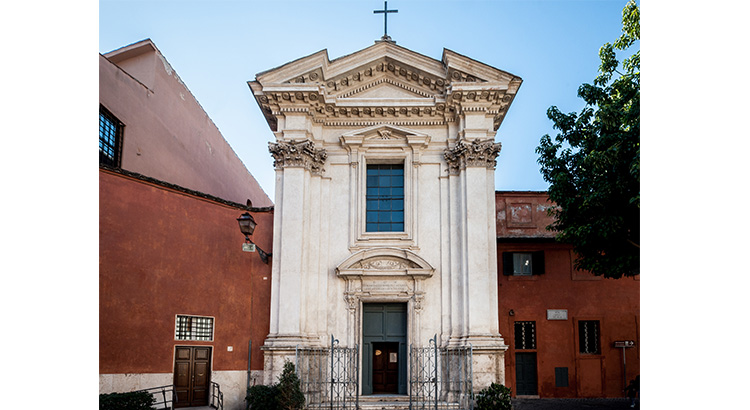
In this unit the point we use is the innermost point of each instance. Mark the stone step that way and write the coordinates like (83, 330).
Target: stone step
(389, 402)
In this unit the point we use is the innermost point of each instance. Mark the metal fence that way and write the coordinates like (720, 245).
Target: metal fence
(329, 377)
(440, 378)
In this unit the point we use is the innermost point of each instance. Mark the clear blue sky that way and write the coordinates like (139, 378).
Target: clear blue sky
(217, 46)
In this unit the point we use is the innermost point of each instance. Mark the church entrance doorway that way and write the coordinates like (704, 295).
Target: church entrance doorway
(384, 348)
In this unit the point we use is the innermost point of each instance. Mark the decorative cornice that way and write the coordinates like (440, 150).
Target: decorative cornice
(298, 154)
(477, 153)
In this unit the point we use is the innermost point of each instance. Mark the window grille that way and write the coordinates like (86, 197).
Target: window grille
(110, 138)
(525, 334)
(194, 328)
(588, 336)
(385, 198)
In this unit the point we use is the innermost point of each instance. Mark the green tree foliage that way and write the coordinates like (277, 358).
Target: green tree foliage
(593, 164)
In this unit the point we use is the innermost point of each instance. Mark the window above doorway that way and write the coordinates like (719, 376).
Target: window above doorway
(194, 328)
(588, 337)
(385, 198)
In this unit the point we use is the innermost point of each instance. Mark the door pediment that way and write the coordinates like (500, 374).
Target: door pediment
(385, 262)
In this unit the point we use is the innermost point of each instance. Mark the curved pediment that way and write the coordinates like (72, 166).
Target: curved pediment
(385, 262)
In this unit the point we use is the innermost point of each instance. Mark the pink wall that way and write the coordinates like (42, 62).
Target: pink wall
(167, 134)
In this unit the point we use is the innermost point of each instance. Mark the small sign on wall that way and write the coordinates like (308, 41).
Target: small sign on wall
(557, 314)
(248, 247)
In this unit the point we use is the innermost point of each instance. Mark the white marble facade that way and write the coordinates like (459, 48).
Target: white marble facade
(385, 105)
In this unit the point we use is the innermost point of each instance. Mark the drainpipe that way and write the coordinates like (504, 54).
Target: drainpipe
(249, 359)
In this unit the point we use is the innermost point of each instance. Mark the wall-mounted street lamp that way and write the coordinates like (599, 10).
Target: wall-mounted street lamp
(247, 227)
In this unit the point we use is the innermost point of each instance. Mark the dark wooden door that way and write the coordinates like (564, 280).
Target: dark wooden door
(192, 365)
(384, 325)
(385, 365)
(526, 383)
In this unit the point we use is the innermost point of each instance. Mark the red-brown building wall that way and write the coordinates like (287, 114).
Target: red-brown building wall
(165, 252)
(615, 303)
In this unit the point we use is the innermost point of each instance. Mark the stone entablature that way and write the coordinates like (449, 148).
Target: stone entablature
(423, 91)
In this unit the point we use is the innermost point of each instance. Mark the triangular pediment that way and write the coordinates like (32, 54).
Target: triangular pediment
(383, 82)
(385, 90)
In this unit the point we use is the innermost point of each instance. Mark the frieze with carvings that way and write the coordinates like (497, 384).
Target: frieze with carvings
(384, 264)
(298, 154)
(477, 153)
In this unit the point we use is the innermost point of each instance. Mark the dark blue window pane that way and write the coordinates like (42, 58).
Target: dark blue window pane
(397, 217)
(385, 197)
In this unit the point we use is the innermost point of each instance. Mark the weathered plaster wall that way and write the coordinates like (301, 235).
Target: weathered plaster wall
(164, 252)
(167, 134)
(614, 302)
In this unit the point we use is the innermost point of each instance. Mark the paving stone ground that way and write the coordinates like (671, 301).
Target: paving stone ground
(573, 404)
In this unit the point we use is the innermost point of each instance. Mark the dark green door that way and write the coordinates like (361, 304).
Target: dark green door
(384, 348)
(526, 383)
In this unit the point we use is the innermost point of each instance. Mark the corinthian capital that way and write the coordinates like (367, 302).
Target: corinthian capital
(298, 154)
(477, 153)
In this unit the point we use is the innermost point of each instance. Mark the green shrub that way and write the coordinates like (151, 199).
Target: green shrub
(262, 397)
(284, 395)
(494, 397)
(290, 394)
(126, 401)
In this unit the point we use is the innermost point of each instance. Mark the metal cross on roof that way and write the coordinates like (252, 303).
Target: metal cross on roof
(385, 12)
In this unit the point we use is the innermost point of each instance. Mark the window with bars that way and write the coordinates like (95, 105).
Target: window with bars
(588, 336)
(385, 198)
(525, 334)
(110, 138)
(194, 328)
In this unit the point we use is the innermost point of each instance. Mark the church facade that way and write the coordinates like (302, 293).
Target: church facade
(384, 225)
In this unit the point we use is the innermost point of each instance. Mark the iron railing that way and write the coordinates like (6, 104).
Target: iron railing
(440, 378)
(217, 397)
(163, 396)
(329, 377)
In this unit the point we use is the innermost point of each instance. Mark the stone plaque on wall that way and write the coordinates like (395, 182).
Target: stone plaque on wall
(557, 314)
(385, 286)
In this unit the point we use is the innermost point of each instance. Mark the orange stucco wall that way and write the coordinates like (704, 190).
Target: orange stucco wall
(615, 303)
(164, 252)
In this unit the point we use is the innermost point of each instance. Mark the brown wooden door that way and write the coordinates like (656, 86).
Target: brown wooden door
(385, 361)
(192, 366)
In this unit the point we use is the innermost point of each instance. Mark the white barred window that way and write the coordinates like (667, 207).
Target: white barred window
(194, 328)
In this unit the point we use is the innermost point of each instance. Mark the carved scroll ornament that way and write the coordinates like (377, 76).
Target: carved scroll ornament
(298, 154)
(478, 153)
